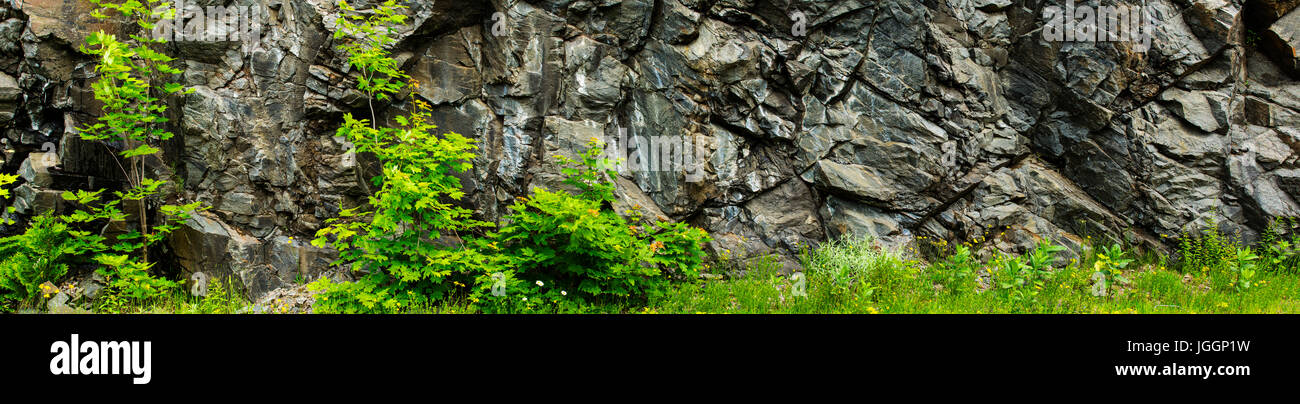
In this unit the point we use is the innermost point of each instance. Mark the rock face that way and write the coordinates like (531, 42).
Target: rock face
(10, 94)
(795, 121)
(208, 245)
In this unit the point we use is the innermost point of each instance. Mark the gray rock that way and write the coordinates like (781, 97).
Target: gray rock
(1206, 110)
(845, 218)
(10, 31)
(36, 169)
(62, 20)
(91, 290)
(680, 23)
(854, 179)
(222, 252)
(58, 304)
(449, 71)
(31, 200)
(286, 300)
(786, 218)
(238, 202)
(1217, 23)
(1281, 41)
(10, 95)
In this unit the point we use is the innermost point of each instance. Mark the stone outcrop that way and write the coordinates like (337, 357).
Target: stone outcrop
(206, 244)
(814, 119)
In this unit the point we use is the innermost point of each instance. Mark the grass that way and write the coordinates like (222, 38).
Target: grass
(857, 275)
(219, 299)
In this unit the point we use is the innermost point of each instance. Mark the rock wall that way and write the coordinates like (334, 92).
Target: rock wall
(952, 119)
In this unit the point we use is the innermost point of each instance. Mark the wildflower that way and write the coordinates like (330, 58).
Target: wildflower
(563, 293)
(525, 298)
(539, 283)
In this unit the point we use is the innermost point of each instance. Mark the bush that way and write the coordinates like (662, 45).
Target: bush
(133, 77)
(1278, 248)
(38, 255)
(1242, 268)
(1109, 268)
(1230, 264)
(1211, 250)
(128, 277)
(1021, 279)
(956, 273)
(562, 246)
(404, 239)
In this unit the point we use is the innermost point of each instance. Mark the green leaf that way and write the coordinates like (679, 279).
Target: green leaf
(140, 150)
(171, 88)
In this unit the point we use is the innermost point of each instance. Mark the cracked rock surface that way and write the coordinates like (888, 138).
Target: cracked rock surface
(951, 119)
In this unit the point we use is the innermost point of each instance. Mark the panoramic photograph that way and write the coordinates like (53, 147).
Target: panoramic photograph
(600, 158)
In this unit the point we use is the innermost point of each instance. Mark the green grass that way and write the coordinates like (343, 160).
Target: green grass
(858, 277)
(220, 299)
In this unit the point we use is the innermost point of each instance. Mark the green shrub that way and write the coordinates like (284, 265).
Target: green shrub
(38, 255)
(1243, 267)
(1278, 246)
(956, 273)
(561, 246)
(1021, 279)
(1111, 263)
(1209, 251)
(133, 77)
(405, 239)
(128, 277)
(1230, 264)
